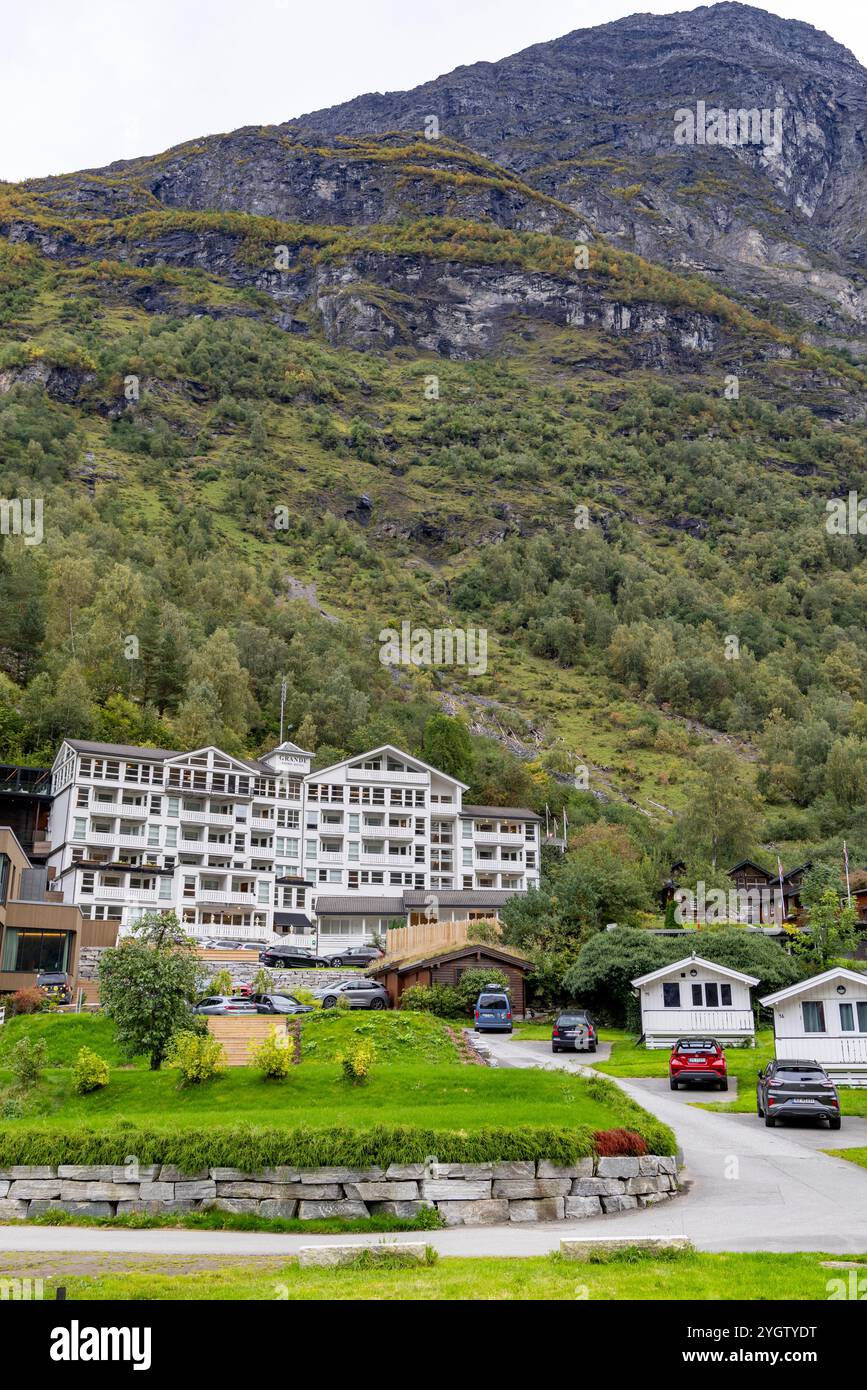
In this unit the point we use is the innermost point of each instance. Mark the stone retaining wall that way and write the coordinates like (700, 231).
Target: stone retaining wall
(465, 1194)
(242, 971)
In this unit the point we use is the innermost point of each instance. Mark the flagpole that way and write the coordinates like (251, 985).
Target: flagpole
(846, 862)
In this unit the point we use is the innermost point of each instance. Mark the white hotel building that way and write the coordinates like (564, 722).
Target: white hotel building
(251, 847)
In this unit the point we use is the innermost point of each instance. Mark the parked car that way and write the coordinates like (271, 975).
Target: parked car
(225, 1004)
(225, 943)
(354, 955)
(573, 1030)
(698, 1059)
(56, 984)
(493, 1011)
(291, 957)
(279, 1004)
(359, 994)
(799, 1088)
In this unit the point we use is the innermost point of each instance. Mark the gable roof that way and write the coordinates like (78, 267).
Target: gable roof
(500, 812)
(695, 960)
(386, 748)
(411, 960)
(839, 972)
(749, 864)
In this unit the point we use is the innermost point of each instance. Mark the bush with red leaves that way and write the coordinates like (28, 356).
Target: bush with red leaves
(612, 1143)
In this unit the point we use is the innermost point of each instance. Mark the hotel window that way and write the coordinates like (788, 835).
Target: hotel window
(165, 886)
(814, 1016)
(82, 796)
(79, 831)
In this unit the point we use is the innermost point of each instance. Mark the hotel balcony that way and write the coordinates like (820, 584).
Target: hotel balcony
(372, 774)
(103, 837)
(497, 837)
(226, 895)
(205, 818)
(392, 861)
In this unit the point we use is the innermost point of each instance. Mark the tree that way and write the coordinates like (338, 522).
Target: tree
(721, 822)
(831, 926)
(601, 976)
(147, 986)
(447, 745)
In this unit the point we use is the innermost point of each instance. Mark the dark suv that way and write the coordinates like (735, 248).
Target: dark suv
(573, 1030)
(290, 957)
(800, 1088)
(56, 984)
(355, 955)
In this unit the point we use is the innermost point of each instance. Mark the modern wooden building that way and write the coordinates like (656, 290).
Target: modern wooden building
(36, 933)
(446, 964)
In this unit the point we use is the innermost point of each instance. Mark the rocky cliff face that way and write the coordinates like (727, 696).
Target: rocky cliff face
(578, 138)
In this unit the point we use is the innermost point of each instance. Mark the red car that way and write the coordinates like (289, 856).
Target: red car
(698, 1059)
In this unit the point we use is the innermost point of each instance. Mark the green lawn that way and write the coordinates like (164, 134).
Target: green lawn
(853, 1100)
(397, 1037)
(685, 1276)
(627, 1059)
(468, 1097)
(65, 1034)
(853, 1155)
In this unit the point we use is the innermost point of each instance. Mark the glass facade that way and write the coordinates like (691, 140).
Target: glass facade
(35, 950)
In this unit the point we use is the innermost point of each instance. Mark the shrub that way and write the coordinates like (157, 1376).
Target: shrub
(28, 1001)
(610, 1143)
(89, 1072)
(11, 1108)
(356, 1059)
(263, 981)
(26, 1061)
(472, 982)
(274, 1057)
(442, 1000)
(306, 996)
(342, 1002)
(198, 1057)
(221, 983)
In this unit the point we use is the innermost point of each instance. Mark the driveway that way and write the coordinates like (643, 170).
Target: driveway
(749, 1188)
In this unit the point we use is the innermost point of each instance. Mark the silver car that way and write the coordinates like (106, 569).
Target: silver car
(225, 1004)
(359, 994)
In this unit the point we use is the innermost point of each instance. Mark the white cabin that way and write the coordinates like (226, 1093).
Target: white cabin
(824, 1019)
(696, 998)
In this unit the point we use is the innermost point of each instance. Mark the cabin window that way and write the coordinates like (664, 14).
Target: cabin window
(814, 1016)
(696, 995)
(671, 996)
(725, 995)
(711, 996)
(852, 1022)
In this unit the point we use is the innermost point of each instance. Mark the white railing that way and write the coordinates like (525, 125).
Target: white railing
(205, 818)
(329, 856)
(133, 812)
(102, 837)
(714, 1022)
(824, 1048)
(497, 837)
(372, 774)
(490, 866)
(145, 895)
(106, 892)
(263, 822)
(223, 895)
(397, 832)
(392, 861)
(197, 846)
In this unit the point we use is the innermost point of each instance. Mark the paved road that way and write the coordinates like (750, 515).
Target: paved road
(749, 1188)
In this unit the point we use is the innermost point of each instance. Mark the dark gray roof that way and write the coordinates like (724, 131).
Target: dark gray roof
(292, 919)
(347, 906)
(457, 897)
(119, 750)
(505, 812)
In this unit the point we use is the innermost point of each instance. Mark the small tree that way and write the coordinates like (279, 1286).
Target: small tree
(472, 982)
(89, 1073)
(147, 985)
(26, 1061)
(221, 983)
(832, 925)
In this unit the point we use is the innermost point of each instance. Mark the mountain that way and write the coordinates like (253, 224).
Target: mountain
(552, 373)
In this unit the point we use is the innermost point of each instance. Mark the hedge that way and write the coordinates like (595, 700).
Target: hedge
(251, 1148)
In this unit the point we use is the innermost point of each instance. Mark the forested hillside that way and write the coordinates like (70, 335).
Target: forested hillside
(278, 393)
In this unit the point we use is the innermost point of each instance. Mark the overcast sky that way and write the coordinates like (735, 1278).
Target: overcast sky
(87, 82)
